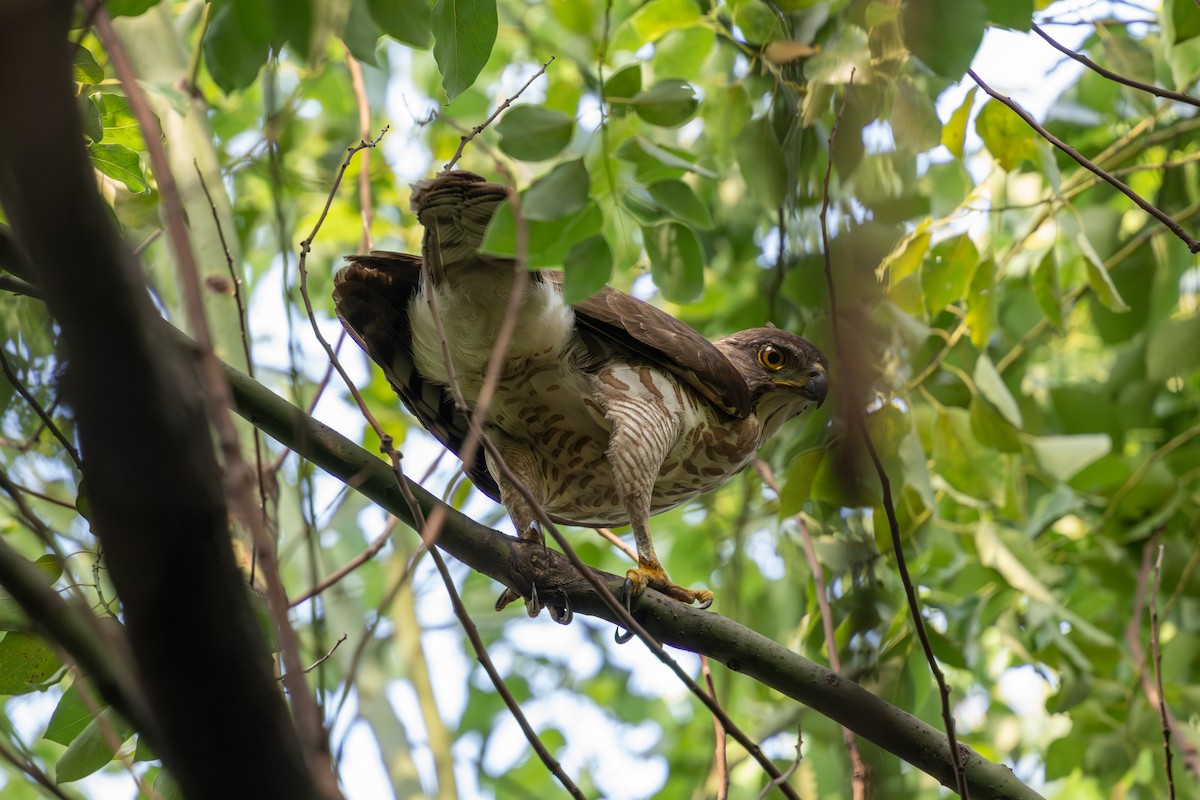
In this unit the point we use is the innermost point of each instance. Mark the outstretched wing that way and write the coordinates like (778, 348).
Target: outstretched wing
(371, 296)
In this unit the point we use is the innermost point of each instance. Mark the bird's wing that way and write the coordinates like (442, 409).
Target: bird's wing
(371, 296)
(664, 341)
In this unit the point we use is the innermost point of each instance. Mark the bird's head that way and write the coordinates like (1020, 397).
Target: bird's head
(781, 369)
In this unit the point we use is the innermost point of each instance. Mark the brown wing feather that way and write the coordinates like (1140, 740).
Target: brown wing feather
(666, 342)
(371, 297)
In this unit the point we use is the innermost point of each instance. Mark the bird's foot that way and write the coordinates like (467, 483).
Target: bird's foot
(656, 578)
(636, 581)
(560, 613)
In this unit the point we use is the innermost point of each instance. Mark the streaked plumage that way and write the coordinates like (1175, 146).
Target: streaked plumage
(609, 411)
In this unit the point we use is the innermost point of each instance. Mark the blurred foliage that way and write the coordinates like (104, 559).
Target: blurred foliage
(1029, 338)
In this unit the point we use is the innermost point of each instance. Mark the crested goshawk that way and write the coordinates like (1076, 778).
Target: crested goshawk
(609, 411)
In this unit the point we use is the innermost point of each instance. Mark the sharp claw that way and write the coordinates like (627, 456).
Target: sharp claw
(506, 597)
(619, 635)
(533, 606)
(705, 604)
(562, 614)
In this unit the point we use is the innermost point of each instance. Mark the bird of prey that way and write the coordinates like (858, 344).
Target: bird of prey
(609, 411)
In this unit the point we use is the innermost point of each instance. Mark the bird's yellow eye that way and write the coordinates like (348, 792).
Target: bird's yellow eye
(771, 357)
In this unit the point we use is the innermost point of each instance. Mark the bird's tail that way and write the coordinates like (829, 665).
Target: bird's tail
(455, 209)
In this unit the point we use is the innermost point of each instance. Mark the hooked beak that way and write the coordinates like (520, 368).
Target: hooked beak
(814, 385)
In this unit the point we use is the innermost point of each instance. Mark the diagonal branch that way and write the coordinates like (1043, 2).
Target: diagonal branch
(1116, 183)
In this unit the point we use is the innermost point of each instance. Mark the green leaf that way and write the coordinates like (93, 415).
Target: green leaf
(982, 300)
(668, 103)
(991, 429)
(84, 68)
(233, 52)
(914, 119)
(361, 33)
(120, 125)
(560, 193)
(654, 161)
(1184, 20)
(464, 32)
(760, 158)
(586, 269)
(405, 21)
(92, 749)
(534, 133)
(992, 387)
(1007, 137)
(927, 25)
(26, 663)
(1063, 456)
(676, 261)
(120, 163)
(548, 241)
(798, 481)
(1098, 277)
(954, 132)
(947, 272)
(995, 554)
(624, 83)
(1173, 349)
(71, 716)
(679, 199)
(1014, 14)
(12, 616)
(963, 461)
(847, 51)
(654, 20)
(1046, 291)
(757, 22)
(93, 129)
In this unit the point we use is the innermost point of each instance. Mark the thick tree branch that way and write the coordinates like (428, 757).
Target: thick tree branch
(153, 480)
(519, 564)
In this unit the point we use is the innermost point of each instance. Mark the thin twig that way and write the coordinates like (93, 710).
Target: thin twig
(325, 657)
(351, 565)
(37, 409)
(1179, 97)
(790, 770)
(889, 506)
(859, 771)
(1156, 658)
(366, 210)
(720, 762)
(618, 543)
(219, 400)
(1145, 205)
(478, 129)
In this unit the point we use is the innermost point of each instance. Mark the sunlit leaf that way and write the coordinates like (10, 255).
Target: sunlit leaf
(1098, 277)
(1063, 456)
(93, 748)
(1007, 137)
(1046, 291)
(26, 663)
(654, 20)
(84, 68)
(847, 52)
(982, 302)
(625, 82)
(120, 163)
(914, 119)
(992, 387)
(947, 271)
(1015, 14)
(954, 132)
(71, 716)
(463, 32)
(120, 124)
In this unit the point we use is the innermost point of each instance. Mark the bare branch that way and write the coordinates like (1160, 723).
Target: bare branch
(1179, 97)
(1145, 205)
(478, 129)
(1156, 659)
